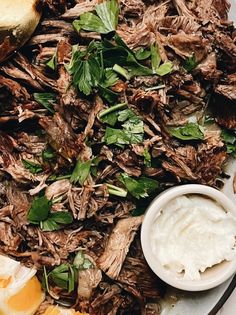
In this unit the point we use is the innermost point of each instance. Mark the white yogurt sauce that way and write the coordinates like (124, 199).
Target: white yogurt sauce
(193, 233)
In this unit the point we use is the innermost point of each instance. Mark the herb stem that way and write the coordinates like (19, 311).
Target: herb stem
(116, 191)
(122, 71)
(157, 87)
(111, 109)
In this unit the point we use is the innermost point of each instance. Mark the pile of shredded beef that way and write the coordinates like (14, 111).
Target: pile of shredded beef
(105, 226)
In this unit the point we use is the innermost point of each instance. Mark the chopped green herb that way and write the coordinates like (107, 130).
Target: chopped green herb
(190, 131)
(142, 54)
(48, 154)
(116, 191)
(155, 57)
(54, 220)
(122, 71)
(141, 187)
(39, 210)
(104, 22)
(229, 137)
(52, 63)
(81, 172)
(47, 100)
(110, 115)
(131, 133)
(64, 276)
(81, 262)
(147, 158)
(157, 68)
(33, 167)
(190, 63)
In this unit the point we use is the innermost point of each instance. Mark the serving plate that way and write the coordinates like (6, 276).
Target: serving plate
(177, 302)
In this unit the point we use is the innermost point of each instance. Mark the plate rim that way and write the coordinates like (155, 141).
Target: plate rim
(228, 291)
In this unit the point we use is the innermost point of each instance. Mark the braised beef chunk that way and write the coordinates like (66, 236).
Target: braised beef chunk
(108, 104)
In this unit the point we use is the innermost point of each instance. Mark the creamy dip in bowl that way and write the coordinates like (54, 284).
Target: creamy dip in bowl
(189, 237)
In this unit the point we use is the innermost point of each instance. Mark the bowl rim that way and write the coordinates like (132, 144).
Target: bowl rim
(163, 198)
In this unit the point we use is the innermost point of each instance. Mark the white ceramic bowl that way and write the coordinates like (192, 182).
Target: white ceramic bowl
(210, 278)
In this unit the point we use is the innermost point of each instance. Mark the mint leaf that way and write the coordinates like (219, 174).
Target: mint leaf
(190, 63)
(33, 167)
(81, 172)
(39, 210)
(47, 100)
(190, 131)
(141, 187)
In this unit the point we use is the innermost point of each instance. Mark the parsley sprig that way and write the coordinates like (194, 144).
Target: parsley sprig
(40, 214)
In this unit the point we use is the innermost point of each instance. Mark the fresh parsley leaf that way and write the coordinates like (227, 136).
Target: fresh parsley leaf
(104, 22)
(110, 78)
(229, 137)
(190, 63)
(49, 225)
(47, 100)
(82, 263)
(108, 95)
(116, 136)
(165, 68)
(52, 63)
(190, 131)
(141, 187)
(157, 68)
(142, 54)
(33, 167)
(131, 133)
(122, 71)
(64, 276)
(52, 223)
(147, 158)
(110, 115)
(39, 210)
(87, 75)
(48, 154)
(155, 57)
(81, 172)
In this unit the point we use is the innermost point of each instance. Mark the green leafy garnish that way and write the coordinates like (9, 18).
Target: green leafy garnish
(116, 191)
(40, 213)
(33, 167)
(64, 276)
(141, 187)
(39, 209)
(81, 262)
(157, 68)
(190, 131)
(190, 63)
(147, 158)
(48, 154)
(81, 172)
(52, 62)
(132, 131)
(142, 54)
(104, 22)
(229, 137)
(52, 223)
(110, 115)
(47, 100)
